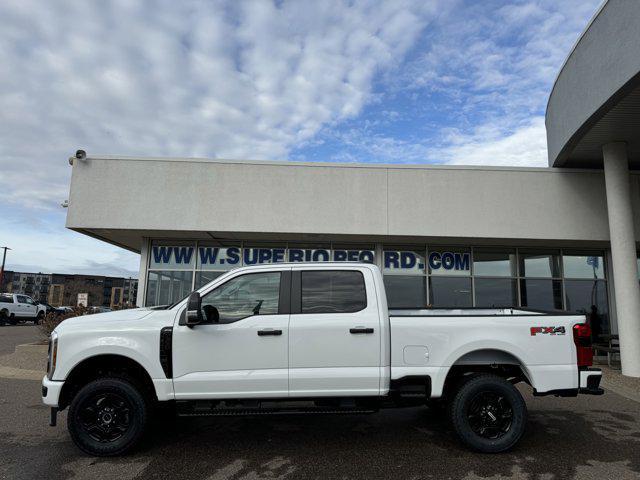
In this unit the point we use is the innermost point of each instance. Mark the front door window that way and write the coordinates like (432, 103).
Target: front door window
(244, 296)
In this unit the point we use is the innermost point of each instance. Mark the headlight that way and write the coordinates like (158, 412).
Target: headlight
(52, 356)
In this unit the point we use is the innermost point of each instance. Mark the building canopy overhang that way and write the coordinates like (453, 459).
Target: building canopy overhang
(596, 97)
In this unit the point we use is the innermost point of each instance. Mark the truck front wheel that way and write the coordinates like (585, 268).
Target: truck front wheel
(488, 414)
(107, 417)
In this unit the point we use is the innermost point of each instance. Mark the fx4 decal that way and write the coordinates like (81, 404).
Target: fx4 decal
(547, 330)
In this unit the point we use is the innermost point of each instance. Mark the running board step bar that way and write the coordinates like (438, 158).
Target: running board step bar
(200, 408)
(225, 412)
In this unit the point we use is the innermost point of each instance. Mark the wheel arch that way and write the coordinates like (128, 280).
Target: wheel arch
(499, 361)
(105, 365)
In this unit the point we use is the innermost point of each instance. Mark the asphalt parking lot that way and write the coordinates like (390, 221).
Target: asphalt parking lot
(586, 437)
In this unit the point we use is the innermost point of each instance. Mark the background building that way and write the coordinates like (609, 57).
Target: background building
(63, 289)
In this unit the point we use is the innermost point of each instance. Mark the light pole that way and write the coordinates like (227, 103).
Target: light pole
(4, 257)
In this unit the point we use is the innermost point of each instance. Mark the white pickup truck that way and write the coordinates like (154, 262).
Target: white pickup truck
(15, 307)
(309, 338)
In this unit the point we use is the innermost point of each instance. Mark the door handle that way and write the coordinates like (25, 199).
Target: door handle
(264, 333)
(357, 330)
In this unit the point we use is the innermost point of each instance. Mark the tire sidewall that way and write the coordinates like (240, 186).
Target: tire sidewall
(462, 401)
(136, 429)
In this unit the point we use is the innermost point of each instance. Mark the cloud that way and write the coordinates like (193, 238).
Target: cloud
(40, 245)
(486, 145)
(211, 79)
(524, 147)
(476, 88)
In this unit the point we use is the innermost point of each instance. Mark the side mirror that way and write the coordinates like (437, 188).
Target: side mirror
(194, 313)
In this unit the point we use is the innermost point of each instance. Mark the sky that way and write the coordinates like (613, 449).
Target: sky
(427, 81)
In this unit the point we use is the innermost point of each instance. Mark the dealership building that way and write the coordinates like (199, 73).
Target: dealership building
(557, 238)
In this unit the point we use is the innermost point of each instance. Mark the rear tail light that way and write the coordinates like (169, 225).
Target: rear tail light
(582, 339)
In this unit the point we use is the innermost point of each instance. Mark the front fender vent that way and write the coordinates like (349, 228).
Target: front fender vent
(166, 346)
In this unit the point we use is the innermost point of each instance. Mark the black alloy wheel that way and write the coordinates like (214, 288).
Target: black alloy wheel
(488, 413)
(107, 417)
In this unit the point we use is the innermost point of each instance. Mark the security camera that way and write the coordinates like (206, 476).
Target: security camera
(81, 154)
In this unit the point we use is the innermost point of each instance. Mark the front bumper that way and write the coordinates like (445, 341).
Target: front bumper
(51, 391)
(590, 381)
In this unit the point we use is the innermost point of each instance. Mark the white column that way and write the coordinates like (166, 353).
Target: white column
(142, 275)
(623, 253)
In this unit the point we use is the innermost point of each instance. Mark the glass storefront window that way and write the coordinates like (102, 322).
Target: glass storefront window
(496, 292)
(541, 294)
(204, 277)
(405, 260)
(353, 253)
(216, 257)
(583, 266)
(406, 291)
(167, 287)
(539, 264)
(173, 257)
(450, 292)
(449, 261)
(259, 253)
(589, 297)
(491, 262)
(309, 252)
(415, 275)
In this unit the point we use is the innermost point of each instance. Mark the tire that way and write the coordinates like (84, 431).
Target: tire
(13, 320)
(108, 417)
(488, 414)
(4, 317)
(39, 318)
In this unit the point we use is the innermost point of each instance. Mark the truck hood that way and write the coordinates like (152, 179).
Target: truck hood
(115, 318)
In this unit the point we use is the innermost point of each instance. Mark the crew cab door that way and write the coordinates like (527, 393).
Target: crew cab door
(334, 333)
(26, 307)
(244, 353)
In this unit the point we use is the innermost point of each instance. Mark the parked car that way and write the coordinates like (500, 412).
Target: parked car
(51, 309)
(310, 338)
(15, 307)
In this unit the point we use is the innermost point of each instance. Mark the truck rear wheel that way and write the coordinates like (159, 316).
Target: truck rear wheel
(488, 414)
(107, 417)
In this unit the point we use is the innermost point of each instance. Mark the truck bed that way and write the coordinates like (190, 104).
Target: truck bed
(431, 341)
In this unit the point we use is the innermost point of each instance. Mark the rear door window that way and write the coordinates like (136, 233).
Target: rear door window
(6, 298)
(332, 291)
